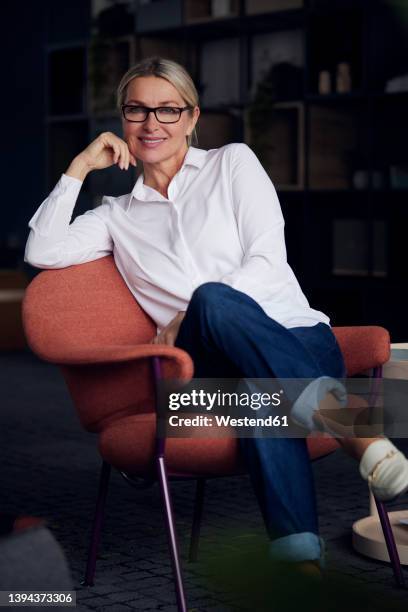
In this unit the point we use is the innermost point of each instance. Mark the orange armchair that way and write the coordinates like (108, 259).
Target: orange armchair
(85, 319)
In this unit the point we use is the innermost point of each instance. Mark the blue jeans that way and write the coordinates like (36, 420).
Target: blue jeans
(228, 335)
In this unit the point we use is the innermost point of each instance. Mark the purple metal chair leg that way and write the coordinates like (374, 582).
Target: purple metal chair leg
(171, 532)
(97, 524)
(381, 509)
(390, 542)
(165, 491)
(198, 513)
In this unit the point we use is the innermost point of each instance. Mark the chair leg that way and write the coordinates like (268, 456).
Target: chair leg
(390, 542)
(97, 524)
(197, 516)
(171, 532)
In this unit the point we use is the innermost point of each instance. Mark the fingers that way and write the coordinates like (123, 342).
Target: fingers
(121, 154)
(116, 153)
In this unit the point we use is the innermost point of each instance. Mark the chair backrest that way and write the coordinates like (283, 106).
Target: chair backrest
(89, 305)
(86, 305)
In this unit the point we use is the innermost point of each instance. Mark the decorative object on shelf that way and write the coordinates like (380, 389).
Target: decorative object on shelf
(397, 84)
(287, 81)
(324, 83)
(343, 78)
(273, 48)
(221, 8)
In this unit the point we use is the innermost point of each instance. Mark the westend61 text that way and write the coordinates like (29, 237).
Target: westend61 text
(227, 421)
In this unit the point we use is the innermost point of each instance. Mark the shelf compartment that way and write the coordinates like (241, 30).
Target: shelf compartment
(159, 15)
(280, 144)
(278, 56)
(216, 129)
(340, 34)
(202, 11)
(221, 86)
(332, 147)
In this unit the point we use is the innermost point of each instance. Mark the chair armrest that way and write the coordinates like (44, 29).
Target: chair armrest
(122, 353)
(363, 347)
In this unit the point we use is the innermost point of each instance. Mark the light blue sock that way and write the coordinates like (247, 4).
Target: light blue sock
(310, 398)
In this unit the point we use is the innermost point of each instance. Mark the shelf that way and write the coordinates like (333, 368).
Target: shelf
(257, 7)
(231, 26)
(387, 95)
(336, 97)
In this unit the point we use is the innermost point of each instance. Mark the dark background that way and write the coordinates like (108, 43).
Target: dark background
(338, 159)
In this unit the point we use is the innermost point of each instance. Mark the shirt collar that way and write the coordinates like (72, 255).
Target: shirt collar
(194, 157)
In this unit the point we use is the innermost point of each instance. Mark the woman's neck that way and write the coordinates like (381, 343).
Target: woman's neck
(159, 175)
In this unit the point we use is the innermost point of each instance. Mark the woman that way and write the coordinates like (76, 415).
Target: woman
(200, 244)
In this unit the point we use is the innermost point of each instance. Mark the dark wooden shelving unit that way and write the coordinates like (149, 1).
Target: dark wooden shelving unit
(343, 190)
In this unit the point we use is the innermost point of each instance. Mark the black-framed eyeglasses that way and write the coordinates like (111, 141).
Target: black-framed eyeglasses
(163, 114)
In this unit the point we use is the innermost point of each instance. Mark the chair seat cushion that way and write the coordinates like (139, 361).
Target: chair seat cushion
(129, 444)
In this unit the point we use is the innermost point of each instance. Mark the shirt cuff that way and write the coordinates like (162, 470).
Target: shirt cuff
(67, 180)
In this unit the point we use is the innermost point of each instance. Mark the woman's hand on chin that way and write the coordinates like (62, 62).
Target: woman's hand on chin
(105, 151)
(169, 333)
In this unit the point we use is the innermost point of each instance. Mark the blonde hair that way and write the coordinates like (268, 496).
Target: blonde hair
(173, 72)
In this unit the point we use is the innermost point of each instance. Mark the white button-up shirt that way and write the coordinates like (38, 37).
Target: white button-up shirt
(221, 222)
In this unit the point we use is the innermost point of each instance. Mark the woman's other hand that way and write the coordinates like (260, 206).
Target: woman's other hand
(169, 333)
(105, 151)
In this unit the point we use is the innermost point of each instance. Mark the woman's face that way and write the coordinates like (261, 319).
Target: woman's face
(152, 91)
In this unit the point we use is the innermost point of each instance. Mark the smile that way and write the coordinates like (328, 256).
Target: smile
(152, 142)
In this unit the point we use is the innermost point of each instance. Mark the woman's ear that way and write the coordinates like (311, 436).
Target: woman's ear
(194, 118)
